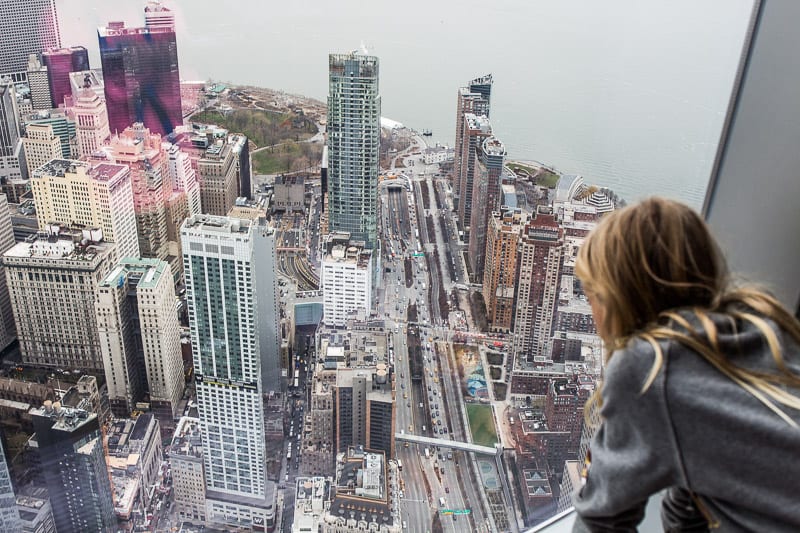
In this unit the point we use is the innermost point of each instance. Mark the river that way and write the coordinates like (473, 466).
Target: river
(630, 94)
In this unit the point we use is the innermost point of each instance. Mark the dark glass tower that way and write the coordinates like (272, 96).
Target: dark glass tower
(60, 62)
(140, 69)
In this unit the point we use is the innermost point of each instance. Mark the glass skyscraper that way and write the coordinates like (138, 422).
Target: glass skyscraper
(140, 70)
(354, 132)
(220, 272)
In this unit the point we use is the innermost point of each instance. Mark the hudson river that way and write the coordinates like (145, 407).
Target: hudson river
(630, 94)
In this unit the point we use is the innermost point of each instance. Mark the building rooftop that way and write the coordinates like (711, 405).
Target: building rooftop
(216, 224)
(187, 440)
(64, 418)
(144, 272)
(83, 248)
(340, 249)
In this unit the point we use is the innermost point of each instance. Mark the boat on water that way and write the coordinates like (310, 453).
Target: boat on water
(427, 133)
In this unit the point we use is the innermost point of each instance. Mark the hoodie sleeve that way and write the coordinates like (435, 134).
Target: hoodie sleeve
(632, 455)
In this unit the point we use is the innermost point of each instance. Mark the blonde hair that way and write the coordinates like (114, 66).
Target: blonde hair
(645, 262)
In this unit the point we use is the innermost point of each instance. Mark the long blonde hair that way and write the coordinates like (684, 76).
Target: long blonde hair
(645, 262)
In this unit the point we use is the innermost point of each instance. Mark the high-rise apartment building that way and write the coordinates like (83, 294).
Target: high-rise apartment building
(346, 279)
(93, 195)
(141, 151)
(473, 98)
(26, 27)
(9, 516)
(184, 178)
(52, 281)
(63, 127)
(221, 290)
(140, 338)
(60, 63)
(140, 70)
(91, 122)
(219, 171)
(476, 129)
(69, 447)
(500, 274)
(8, 328)
(541, 256)
(365, 409)
(354, 132)
(39, 83)
(491, 157)
(41, 145)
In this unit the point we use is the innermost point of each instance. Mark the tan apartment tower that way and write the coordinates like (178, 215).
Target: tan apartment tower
(41, 144)
(500, 274)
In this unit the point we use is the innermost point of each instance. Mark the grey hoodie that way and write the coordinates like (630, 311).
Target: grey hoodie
(695, 429)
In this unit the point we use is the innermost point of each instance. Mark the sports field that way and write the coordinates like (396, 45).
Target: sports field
(481, 423)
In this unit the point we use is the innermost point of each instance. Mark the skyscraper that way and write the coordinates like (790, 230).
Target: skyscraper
(26, 27)
(39, 83)
(41, 145)
(500, 274)
(140, 338)
(13, 168)
(8, 329)
(9, 516)
(354, 110)
(473, 98)
(69, 446)
(221, 290)
(491, 157)
(141, 151)
(140, 69)
(541, 257)
(91, 122)
(476, 130)
(346, 279)
(60, 62)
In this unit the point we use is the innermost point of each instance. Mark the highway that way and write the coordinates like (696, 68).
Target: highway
(428, 393)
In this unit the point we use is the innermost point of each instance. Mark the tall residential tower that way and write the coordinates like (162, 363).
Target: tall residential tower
(354, 132)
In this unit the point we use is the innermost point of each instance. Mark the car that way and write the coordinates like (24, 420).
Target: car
(447, 490)
(408, 404)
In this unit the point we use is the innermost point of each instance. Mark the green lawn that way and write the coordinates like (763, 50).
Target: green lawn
(264, 128)
(481, 423)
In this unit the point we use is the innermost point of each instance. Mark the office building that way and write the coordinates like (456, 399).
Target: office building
(183, 177)
(541, 256)
(88, 194)
(346, 279)
(69, 447)
(362, 499)
(91, 122)
(221, 289)
(63, 127)
(9, 515)
(473, 98)
(8, 328)
(312, 500)
(134, 455)
(140, 71)
(140, 339)
(53, 280)
(220, 170)
(13, 167)
(141, 151)
(26, 27)
(39, 83)
(60, 63)
(354, 110)
(491, 157)
(268, 326)
(476, 130)
(186, 463)
(500, 274)
(289, 193)
(41, 145)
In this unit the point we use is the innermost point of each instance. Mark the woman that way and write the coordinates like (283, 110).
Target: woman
(701, 390)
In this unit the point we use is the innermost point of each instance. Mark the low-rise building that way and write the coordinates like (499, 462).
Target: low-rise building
(289, 193)
(311, 501)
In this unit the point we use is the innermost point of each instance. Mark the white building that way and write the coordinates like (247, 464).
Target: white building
(346, 279)
(140, 338)
(94, 195)
(220, 273)
(91, 121)
(438, 154)
(312, 500)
